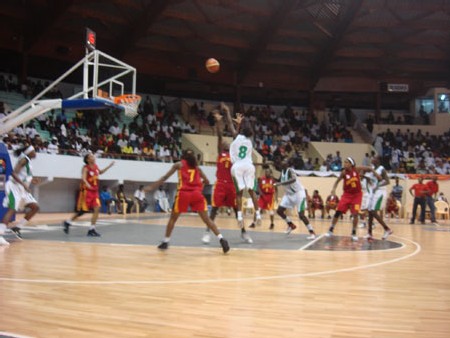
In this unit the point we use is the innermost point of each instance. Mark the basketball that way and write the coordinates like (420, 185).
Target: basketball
(212, 65)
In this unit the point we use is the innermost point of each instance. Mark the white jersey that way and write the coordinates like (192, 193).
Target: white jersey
(241, 149)
(294, 193)
(294, 187)
(378, 198)
(16, 197)
(25, 174)
(375, 184)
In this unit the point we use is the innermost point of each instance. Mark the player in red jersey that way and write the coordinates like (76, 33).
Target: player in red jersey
(317, 204)
(391, 206)
(224, 191)
(88, 198)
(267, 191)
(352, 196)
(189, 195)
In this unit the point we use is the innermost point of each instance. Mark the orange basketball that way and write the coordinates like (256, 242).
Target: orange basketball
(212, 65)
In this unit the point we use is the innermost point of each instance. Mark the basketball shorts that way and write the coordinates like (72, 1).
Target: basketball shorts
(378, 200)
(243, 175)
(224, 195)
(193, 200)
(350, 202)
(16, 197)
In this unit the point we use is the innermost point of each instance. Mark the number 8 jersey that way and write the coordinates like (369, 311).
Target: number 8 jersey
(241, 149)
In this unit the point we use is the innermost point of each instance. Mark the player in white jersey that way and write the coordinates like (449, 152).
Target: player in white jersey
(294, 198)
(242, 170)
(17, 192)
(368, 184)
(378, 196)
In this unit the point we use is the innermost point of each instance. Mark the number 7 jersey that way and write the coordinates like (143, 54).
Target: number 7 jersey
(189, 178)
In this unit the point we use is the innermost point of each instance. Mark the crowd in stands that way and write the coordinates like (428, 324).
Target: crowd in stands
(29, 88)
(414, 152)
(155, 133)
(151, 136)
(288, 134)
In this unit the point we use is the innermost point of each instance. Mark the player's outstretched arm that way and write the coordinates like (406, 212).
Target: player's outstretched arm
(162, 179)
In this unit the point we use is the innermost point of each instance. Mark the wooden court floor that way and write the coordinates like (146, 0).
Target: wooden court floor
(63, 289)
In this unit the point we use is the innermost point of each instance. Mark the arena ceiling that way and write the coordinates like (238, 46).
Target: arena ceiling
(320, 52)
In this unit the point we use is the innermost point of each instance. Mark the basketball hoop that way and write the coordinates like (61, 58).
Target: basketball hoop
(130, 102)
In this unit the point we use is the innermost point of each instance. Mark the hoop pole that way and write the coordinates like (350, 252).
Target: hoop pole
(95, 79)
(86, 74)
(134, 82)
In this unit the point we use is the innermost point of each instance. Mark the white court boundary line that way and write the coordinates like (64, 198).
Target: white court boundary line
(13, 335)
(221, 280)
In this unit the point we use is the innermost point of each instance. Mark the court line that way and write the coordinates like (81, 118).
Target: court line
(221, 280)
(12, 335)
(310, 243)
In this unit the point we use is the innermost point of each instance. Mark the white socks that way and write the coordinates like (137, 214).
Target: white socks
(22, 223)
(239, 216)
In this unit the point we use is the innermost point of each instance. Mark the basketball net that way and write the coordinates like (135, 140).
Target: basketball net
(129, 102)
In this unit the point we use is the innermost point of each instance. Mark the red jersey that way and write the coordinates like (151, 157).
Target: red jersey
(317, 201)
(352, 182)
(189, 178)
(265, 185)
(223, 172)
(391, 205)
(92, 176)
(432, 187)
(419, 189)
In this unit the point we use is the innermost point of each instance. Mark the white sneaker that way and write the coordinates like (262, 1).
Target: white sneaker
(3, 242)
(246, 238)
(329, 234)
(369, 237)
(311, 237)
(354, 238)
(206, 238)
(362, 225)
(387, 233)
(291, 226)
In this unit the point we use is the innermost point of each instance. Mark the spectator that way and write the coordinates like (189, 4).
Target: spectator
(107, 200)
(431, 194)
(164, 154)
(420, 190)
(161, 199)
(441, 197)
(53, 148)
(123, 202)
(397, 190)
(140, 199)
